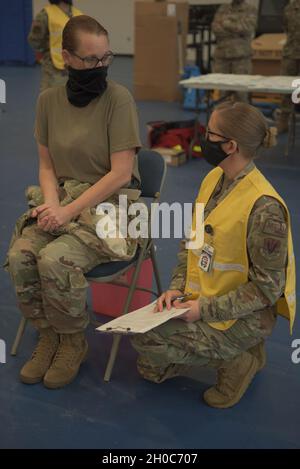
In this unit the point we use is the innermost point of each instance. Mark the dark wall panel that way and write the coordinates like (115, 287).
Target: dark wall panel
(15, 21)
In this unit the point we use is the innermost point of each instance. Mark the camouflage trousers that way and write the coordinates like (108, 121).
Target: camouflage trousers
(289, 67)
(48, 275)
(241, 66)
(51, 76)
(165, 351)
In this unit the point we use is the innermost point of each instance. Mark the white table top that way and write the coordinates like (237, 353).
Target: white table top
(247, 83)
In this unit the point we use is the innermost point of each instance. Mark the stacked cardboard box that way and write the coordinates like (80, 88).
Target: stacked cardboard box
(160, 49)
(267, 54)
(266, 60)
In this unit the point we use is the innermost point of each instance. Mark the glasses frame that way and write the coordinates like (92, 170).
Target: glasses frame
(83, 59)
(227, 139)
(209, 132)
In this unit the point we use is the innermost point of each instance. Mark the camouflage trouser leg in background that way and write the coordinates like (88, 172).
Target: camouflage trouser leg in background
(289, 67)
(222, 66)
(241, 66)
(48, 275)
(52, 77)
(164, 350)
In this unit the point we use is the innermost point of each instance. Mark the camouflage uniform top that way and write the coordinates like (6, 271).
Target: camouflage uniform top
(234, 27)
(38, 36)
(291, 24)
(267, 243)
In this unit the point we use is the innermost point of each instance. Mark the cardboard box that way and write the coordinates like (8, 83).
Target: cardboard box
(267, 54)
(273, 98)
(266, 60)
(160, 52)
(171, 156)
(266, 67)
(268, 46)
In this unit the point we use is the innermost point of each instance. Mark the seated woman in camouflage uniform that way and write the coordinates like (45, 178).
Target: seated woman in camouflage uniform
(242, 275)
(87, 135)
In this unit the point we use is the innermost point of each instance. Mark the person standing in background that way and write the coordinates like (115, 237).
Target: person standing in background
(46, 37)
(234, 27)
(290, 65)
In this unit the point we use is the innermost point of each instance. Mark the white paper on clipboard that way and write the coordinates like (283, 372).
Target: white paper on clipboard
(141, 320)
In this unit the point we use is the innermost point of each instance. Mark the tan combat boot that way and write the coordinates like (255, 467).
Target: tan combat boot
(260, 354)
(35, 369)
(232, 382)
(71, 353)
(282, 123)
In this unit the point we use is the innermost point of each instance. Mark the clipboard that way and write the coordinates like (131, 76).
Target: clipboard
(141, 320)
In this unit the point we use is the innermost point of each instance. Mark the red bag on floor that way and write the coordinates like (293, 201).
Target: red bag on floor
(178, 135)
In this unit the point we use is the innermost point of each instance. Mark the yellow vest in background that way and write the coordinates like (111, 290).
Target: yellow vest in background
(229, 221)
(57, 20)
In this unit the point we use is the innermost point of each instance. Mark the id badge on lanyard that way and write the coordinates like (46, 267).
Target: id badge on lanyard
(206, 258)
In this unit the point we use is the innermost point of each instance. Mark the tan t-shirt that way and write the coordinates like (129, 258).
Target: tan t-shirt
(81, 140)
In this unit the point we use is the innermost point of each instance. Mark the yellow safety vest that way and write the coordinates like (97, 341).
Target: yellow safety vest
(57, 20)
(229, 221)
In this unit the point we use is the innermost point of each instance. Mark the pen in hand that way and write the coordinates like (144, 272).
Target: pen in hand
(163, 304)
(181, 298)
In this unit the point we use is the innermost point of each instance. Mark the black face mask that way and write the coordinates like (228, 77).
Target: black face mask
(85, 85)
(213, 152)
(57, 2)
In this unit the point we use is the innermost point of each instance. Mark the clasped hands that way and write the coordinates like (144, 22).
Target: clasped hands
(51, 216)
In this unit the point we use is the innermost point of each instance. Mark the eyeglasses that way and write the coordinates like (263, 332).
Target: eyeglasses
(226, 139)
(209, 132)
(92, 61)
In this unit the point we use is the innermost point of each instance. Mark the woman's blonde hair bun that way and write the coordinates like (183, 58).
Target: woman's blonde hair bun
(246, 125)
(270, 139)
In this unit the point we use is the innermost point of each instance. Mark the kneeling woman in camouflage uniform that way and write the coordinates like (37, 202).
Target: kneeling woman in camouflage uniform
(241, 277)
(87, 135)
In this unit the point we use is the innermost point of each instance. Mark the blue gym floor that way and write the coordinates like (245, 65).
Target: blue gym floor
(129, 412)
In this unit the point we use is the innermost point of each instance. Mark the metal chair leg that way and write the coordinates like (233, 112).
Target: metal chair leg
(156, 271)
(19, 336)
(117, 337)
(112, 357)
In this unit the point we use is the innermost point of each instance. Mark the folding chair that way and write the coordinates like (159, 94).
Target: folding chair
(152, 168)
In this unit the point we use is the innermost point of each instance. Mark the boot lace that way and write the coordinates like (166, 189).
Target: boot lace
(67, 354)
(45, 348)
(225, 381)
